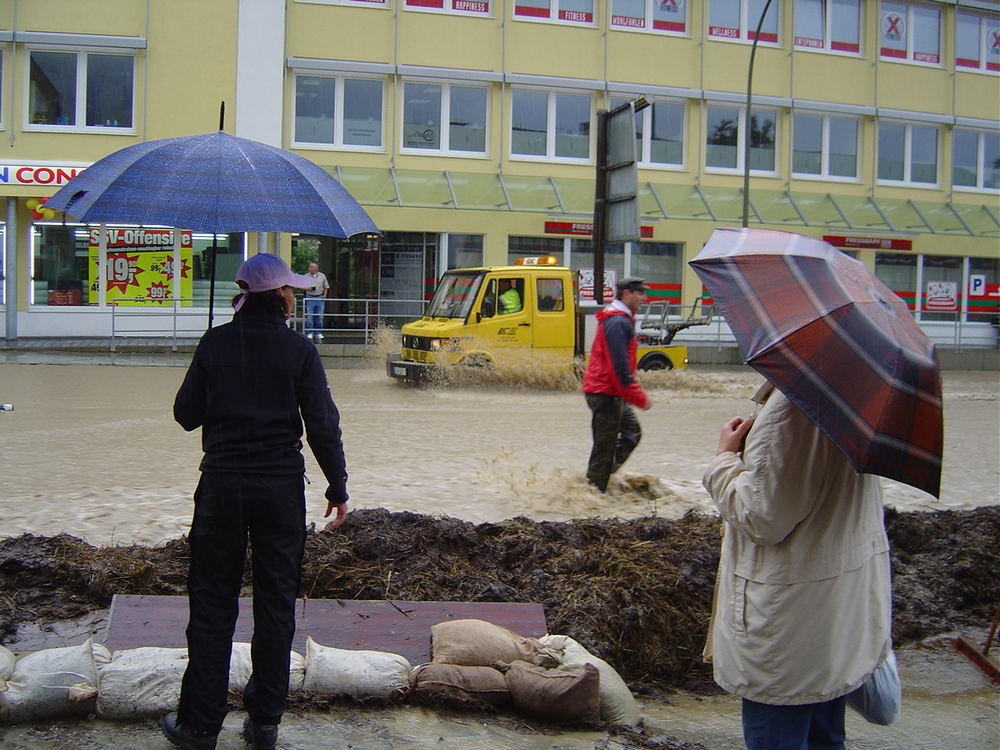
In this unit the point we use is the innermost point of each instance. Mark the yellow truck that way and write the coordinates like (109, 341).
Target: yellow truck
(478, 317)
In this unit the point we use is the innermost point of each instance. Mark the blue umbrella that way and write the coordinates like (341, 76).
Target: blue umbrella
(214, 183)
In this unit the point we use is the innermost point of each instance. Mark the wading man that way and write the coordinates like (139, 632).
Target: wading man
(610, 385)
(250, 386)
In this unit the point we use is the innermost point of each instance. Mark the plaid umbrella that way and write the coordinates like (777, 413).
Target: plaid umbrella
(213, 183)
(837, 342)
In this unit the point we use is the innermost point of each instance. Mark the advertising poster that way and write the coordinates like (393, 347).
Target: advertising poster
(140, 266)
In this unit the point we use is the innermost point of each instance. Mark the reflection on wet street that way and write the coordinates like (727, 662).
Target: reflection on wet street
(93, 450)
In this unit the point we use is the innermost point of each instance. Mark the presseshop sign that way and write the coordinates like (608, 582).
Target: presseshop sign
(37, 174)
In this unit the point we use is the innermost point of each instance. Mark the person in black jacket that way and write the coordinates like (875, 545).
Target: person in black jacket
(250, 386)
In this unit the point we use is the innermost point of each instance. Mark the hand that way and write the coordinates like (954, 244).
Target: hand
(341, 515)
(733, 434)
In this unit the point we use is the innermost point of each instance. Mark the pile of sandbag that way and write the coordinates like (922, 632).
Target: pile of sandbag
(552, 678)
(51, 683)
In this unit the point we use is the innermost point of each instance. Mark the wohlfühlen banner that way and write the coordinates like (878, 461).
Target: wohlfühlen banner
(140, 266)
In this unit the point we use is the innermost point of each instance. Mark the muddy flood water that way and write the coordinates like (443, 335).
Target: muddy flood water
(93, 450)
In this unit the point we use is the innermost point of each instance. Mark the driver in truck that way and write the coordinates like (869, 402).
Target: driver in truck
(610, 385)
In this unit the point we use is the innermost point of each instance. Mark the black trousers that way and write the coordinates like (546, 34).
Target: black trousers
(616, 433)
(229, 510)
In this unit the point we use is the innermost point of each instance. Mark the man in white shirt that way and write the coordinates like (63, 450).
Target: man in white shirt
(315, 302)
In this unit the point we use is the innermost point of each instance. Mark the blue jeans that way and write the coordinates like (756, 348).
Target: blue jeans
(314, 314)
(813, 726)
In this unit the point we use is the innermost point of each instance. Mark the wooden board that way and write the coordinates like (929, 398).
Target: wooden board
(399, 627)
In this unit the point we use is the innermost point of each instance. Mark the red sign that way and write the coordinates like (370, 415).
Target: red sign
(584, 228)
(870, 243)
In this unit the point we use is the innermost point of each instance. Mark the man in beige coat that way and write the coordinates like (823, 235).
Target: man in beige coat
(802, 611)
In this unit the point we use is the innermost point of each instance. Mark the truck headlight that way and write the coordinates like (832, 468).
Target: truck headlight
(439, 344)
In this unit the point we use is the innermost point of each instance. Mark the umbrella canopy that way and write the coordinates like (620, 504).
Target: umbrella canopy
(837, 342)
(213, 183)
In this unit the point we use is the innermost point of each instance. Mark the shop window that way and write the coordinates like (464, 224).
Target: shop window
(460, 7)
(983, 304)
(426, 106)
(464, 250)
(942, 292)
(668, 16)
(3, 274)
(582, 256)
(567, 11)
(550, 125)
(80, 90)
(907, 154)
(898, 271)
(828, 25)
(661, 265)
(910, 32)
(825, 146)
(354, 3)
(527, 247)
(724, 145)
(976, 160)
(338, 112)
(977, 42)
(659, 133)
(738, 19)
(550, 294)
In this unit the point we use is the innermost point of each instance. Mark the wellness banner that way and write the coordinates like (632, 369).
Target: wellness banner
(140, 266)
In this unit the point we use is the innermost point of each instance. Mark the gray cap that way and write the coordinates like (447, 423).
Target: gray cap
(632, 284)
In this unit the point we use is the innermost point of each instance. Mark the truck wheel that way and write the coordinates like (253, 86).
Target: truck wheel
(656, 361)
(478, 361)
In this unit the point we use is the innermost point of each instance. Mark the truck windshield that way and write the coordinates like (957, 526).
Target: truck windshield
(454, 295)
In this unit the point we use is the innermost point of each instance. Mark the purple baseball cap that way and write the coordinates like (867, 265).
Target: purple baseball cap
(263, 272)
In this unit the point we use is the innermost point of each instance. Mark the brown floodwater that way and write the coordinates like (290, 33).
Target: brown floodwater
(91, 449)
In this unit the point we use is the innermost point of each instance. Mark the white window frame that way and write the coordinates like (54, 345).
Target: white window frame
(474, 8)
(642, 158)
(985, 38)
(649, 23)
(747, 27)
(828, 44)
(338, 110)
(741, 139)
(444, 122)
(550, 127)
(556, 14)
(824, 173)
(352, 3)
(979, 187)
(907, 180)
(909, 53)
(80, 113)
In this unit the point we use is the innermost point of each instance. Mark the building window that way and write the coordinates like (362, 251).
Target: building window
(569, 11)
(426, 106)
(983, 303)
(977, 42)
(550, 125)
(737, 19)
(910, 32)
(650, 15)
(80, 90)
(976, 159)
(528, 247)
(898, 271)
(661, 264)
(461, 7)
(659, 133)
(338, 112)
(463, 250)
(907, 154)
(825, 146)
(725, 145)
(830, 25)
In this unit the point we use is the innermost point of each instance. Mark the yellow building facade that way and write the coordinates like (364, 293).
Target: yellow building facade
(466, 128)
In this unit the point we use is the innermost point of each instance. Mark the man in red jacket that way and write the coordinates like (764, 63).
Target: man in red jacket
(610, 384)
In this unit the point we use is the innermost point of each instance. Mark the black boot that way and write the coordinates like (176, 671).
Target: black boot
(260, 736)
(185, 738)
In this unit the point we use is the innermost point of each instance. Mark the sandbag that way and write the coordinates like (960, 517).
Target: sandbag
(240, 668)
(563, 695)
(140, 682)
(359, 674)
(7, 660)
(618, 705)
(477, 643)
(49, 683)
(462, 684)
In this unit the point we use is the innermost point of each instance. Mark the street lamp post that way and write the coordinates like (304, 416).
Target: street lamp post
(746, 124)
